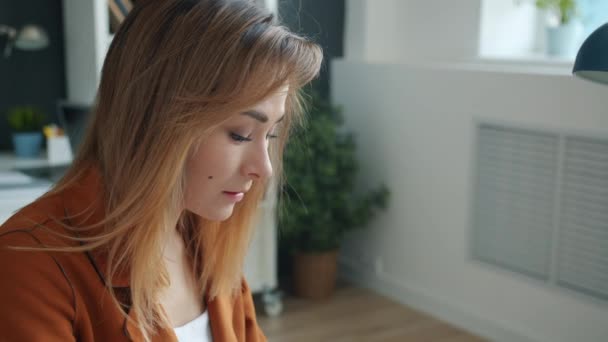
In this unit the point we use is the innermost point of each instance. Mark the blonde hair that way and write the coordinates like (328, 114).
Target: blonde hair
(177, 69)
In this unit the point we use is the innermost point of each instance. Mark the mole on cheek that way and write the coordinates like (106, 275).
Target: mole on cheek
(210, 177)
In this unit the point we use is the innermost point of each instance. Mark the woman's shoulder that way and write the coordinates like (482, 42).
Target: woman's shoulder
(25, 235)
(28, 269)
(35, 290)
(35, 226)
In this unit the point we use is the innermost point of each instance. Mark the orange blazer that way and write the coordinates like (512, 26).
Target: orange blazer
(55, 296)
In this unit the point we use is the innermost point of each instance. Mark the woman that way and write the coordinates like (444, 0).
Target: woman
(145, 236)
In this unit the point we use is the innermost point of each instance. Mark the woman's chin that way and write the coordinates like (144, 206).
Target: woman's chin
(217, 215)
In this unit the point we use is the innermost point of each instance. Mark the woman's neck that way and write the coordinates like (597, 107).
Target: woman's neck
(181, 300)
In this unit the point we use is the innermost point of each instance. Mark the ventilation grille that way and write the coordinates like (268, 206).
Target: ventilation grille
(541, 206)
(583, 243)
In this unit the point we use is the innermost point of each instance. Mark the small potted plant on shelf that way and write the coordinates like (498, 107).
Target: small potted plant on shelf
(564, 29)
(26, 122)
(318, 204)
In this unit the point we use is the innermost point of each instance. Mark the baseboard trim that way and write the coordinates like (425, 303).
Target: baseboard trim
(355, 273)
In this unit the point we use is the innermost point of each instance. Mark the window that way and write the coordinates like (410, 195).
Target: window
(594, 14)
(517, 30)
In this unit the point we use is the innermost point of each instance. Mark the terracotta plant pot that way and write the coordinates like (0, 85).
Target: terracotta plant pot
(314, 274)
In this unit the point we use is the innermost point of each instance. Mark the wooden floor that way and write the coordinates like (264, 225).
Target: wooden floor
(355, 314)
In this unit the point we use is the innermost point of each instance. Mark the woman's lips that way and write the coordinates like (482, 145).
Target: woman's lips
(234, 196)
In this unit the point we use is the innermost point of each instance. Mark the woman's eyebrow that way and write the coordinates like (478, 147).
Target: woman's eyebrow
(261, 117)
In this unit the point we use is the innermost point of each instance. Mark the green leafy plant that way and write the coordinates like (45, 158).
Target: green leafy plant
(564, 9)
(319, 204)
(25, 119)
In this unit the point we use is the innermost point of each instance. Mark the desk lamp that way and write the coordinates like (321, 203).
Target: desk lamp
(30, 37)
(592, 58)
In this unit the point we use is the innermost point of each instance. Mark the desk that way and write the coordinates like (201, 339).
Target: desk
(15, 196)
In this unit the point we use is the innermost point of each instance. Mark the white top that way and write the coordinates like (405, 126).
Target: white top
(196, 330)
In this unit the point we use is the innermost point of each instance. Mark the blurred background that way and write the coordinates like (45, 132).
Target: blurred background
(451, 185)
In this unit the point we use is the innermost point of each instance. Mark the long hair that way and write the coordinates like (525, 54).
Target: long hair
(177, 69)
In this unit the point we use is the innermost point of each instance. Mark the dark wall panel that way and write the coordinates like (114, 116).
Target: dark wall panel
(31, 77)
(323, 20)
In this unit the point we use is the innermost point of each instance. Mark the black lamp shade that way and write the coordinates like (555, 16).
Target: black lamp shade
(592, 58)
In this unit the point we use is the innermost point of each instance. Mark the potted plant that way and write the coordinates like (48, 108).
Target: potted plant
(319, 204)
(26, 123)
(563, 34)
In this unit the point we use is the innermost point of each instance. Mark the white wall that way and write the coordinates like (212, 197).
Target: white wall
(87, 39)
(415, 126)
(422, 119)
(412, 30)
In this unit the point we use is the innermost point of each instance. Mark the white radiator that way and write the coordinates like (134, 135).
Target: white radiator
(541, 206)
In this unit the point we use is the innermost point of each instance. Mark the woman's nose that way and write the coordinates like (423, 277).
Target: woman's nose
(259, 166)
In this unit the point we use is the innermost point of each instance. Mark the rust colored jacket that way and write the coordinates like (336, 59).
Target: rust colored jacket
(53, 296)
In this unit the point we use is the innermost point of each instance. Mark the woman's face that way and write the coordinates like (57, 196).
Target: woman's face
(222, 170)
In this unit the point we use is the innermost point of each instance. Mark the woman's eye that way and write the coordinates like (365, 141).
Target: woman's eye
(238, 138)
